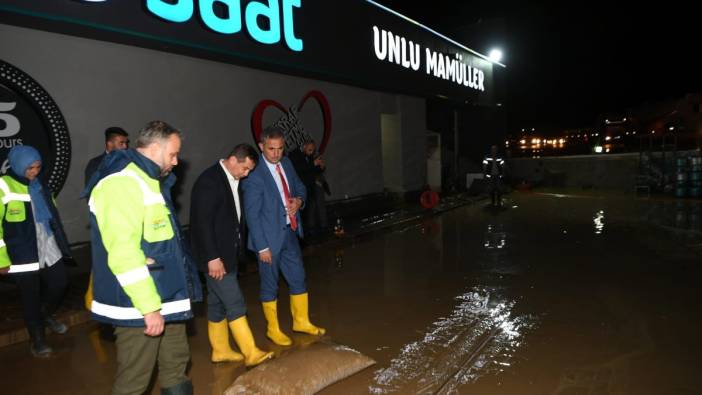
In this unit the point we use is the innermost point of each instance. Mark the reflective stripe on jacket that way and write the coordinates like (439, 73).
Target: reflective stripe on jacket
(489, 162)
(18, 238)
(139, 261)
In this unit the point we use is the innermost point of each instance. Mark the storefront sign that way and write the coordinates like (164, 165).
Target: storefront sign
(230, 21)
(353, 42)
(450, 67)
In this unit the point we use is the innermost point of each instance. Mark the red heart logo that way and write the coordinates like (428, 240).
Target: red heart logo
(257, 116)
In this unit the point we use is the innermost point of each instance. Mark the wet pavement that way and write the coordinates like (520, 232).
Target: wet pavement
(557, 293)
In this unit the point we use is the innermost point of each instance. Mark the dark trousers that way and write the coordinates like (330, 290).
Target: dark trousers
(289, 262)
(314, 216)
(224, 299)
(42, 292)
(138, 353)
(495, 190)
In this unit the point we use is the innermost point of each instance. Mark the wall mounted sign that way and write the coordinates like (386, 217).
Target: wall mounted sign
(226, 17)
(450, 67)
(290, 121)
(356, 42)
(29, 116)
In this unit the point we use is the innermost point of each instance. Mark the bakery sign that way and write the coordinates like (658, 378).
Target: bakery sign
(358, 42)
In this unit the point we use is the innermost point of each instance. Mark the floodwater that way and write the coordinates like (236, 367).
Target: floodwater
(557, 293)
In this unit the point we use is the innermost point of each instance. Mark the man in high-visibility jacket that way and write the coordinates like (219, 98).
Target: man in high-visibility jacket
(144, 278)
(493, 168)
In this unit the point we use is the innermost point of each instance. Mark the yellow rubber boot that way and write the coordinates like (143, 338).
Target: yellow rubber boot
(270, 310)
(245, 340)
(100, 353)
(89, 294)
(218, 332)
(301, 319)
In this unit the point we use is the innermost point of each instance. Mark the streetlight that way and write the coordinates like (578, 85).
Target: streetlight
(495, 55)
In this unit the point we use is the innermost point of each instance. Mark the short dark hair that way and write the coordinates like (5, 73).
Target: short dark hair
(113, 131)
(272, 132)
(156, 132)
(243, 151)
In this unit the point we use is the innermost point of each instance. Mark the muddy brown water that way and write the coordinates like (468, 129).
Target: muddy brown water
(557, 293)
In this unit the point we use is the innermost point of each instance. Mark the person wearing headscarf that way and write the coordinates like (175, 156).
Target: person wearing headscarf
(33, 244)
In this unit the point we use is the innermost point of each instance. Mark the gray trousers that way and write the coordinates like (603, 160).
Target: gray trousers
(224, 299)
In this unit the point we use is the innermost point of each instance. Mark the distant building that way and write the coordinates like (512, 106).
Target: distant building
(675, 124)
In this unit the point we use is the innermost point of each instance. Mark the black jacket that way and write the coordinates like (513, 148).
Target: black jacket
(305, 169)
(92, 166)
(215, 231)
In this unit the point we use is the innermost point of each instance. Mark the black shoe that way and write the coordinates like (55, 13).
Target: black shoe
(55, 325)
(38, 346)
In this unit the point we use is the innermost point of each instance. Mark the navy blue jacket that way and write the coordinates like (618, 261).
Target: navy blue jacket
(21, 237)
(174, 274)
(265, 212)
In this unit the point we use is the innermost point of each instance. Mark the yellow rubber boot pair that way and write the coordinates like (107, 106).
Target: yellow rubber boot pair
(301, 320)
(221, 349)
(218, 332)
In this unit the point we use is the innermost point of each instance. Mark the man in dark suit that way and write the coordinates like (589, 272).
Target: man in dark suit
(216, 228)
(115, 138)
(273, 196)
(310, 168)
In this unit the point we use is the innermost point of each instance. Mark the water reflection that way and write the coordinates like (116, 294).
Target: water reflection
(675, 215)
(495, 237)
(381, 218)
(339, 258)
(598, 220)
(479, 337)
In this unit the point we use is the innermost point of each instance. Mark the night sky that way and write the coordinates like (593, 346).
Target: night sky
(570, 61)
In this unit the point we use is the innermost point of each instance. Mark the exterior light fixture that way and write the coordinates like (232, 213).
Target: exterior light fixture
(495, 55)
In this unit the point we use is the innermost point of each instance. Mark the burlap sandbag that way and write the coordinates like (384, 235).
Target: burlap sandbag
(304, 371)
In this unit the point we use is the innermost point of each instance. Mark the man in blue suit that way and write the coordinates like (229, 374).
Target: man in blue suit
(273, 196)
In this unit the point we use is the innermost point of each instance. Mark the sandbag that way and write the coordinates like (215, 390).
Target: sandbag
(301, 372)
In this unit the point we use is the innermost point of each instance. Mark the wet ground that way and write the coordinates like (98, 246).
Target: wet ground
(558, 293)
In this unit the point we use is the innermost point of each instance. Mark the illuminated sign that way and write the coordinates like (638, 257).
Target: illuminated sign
(230, 20)
(396, 49)
(29, 116)
(354, 42)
